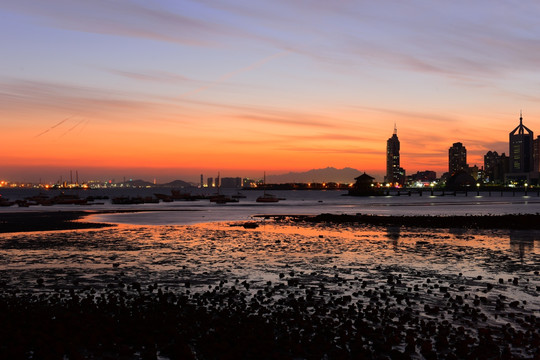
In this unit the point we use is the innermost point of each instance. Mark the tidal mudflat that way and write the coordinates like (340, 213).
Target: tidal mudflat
(281, 290)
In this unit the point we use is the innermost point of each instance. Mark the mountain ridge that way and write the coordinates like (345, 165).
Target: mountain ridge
(328, 174)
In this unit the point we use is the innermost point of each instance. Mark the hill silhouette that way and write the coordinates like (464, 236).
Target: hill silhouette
(329, 174)
(177, 184)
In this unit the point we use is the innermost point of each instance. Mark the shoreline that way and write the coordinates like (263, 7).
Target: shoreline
(34, 221)
(74, 220)
(11, 222)
(511, 222)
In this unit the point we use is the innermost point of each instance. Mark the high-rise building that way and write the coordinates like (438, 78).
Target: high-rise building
(495, 166)
(536, 154)
(457, 158)
(394, 173)
(521, 148)
(490, 162)
(229, 182)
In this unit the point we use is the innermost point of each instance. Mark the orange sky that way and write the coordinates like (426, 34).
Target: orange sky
(126, 93)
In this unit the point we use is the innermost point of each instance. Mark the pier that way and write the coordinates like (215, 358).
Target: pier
(468, 192)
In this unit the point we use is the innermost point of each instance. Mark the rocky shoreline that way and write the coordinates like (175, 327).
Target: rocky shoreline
(513, 221)
(229, 323)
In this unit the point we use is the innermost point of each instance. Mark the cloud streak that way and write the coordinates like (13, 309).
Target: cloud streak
(53, 127)
(146, 76)
(124, 18)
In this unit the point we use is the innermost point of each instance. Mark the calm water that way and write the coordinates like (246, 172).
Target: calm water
(297, 202)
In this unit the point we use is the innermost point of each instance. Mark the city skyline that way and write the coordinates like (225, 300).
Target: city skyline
(521, 136)
(176, 89)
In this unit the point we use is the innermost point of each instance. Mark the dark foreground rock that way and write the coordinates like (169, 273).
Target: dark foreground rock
(228, 323)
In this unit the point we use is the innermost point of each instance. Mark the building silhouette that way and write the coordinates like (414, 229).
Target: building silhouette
(457, 158)
(394, 173)
(536, 155)
(521, 148)
(495, 167)
(231, 182)
(364, 186)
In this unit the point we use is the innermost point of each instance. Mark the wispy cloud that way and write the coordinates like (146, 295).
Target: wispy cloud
(152, 76)
(485, 40)
(125, 18)
(332, 150)
(17, 93)
(409, 114)
(287, 119)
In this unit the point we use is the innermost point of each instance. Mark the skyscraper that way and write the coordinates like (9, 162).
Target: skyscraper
(521, 148)
(495, 166)
(394, 173)
(457, 158)
(536, 155)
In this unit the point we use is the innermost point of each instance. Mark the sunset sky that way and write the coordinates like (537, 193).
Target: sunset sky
(172, 89)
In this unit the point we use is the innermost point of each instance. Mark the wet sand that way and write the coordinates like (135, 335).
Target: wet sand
(281, 290)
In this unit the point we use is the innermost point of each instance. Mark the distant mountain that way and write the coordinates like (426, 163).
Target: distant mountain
(177, 184)
(329, 174)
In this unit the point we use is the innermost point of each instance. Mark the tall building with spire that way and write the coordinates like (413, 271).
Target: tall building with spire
(394, 173)
(521, 148)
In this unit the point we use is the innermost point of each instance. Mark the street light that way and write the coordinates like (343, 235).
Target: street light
(477, 189)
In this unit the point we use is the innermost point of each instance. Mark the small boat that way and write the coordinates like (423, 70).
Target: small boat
(22, 203)
(126, 200)
(267, 198)
(5, 202)
(40, 199)
(222, 199)
(178, 195)
(150, 200)
(164, 197)
(67, 199)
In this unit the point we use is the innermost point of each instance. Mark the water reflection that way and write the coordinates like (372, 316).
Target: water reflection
(522, 241)
(393, 234)
(458, 231)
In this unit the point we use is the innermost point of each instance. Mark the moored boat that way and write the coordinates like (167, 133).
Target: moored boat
(267, 198)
